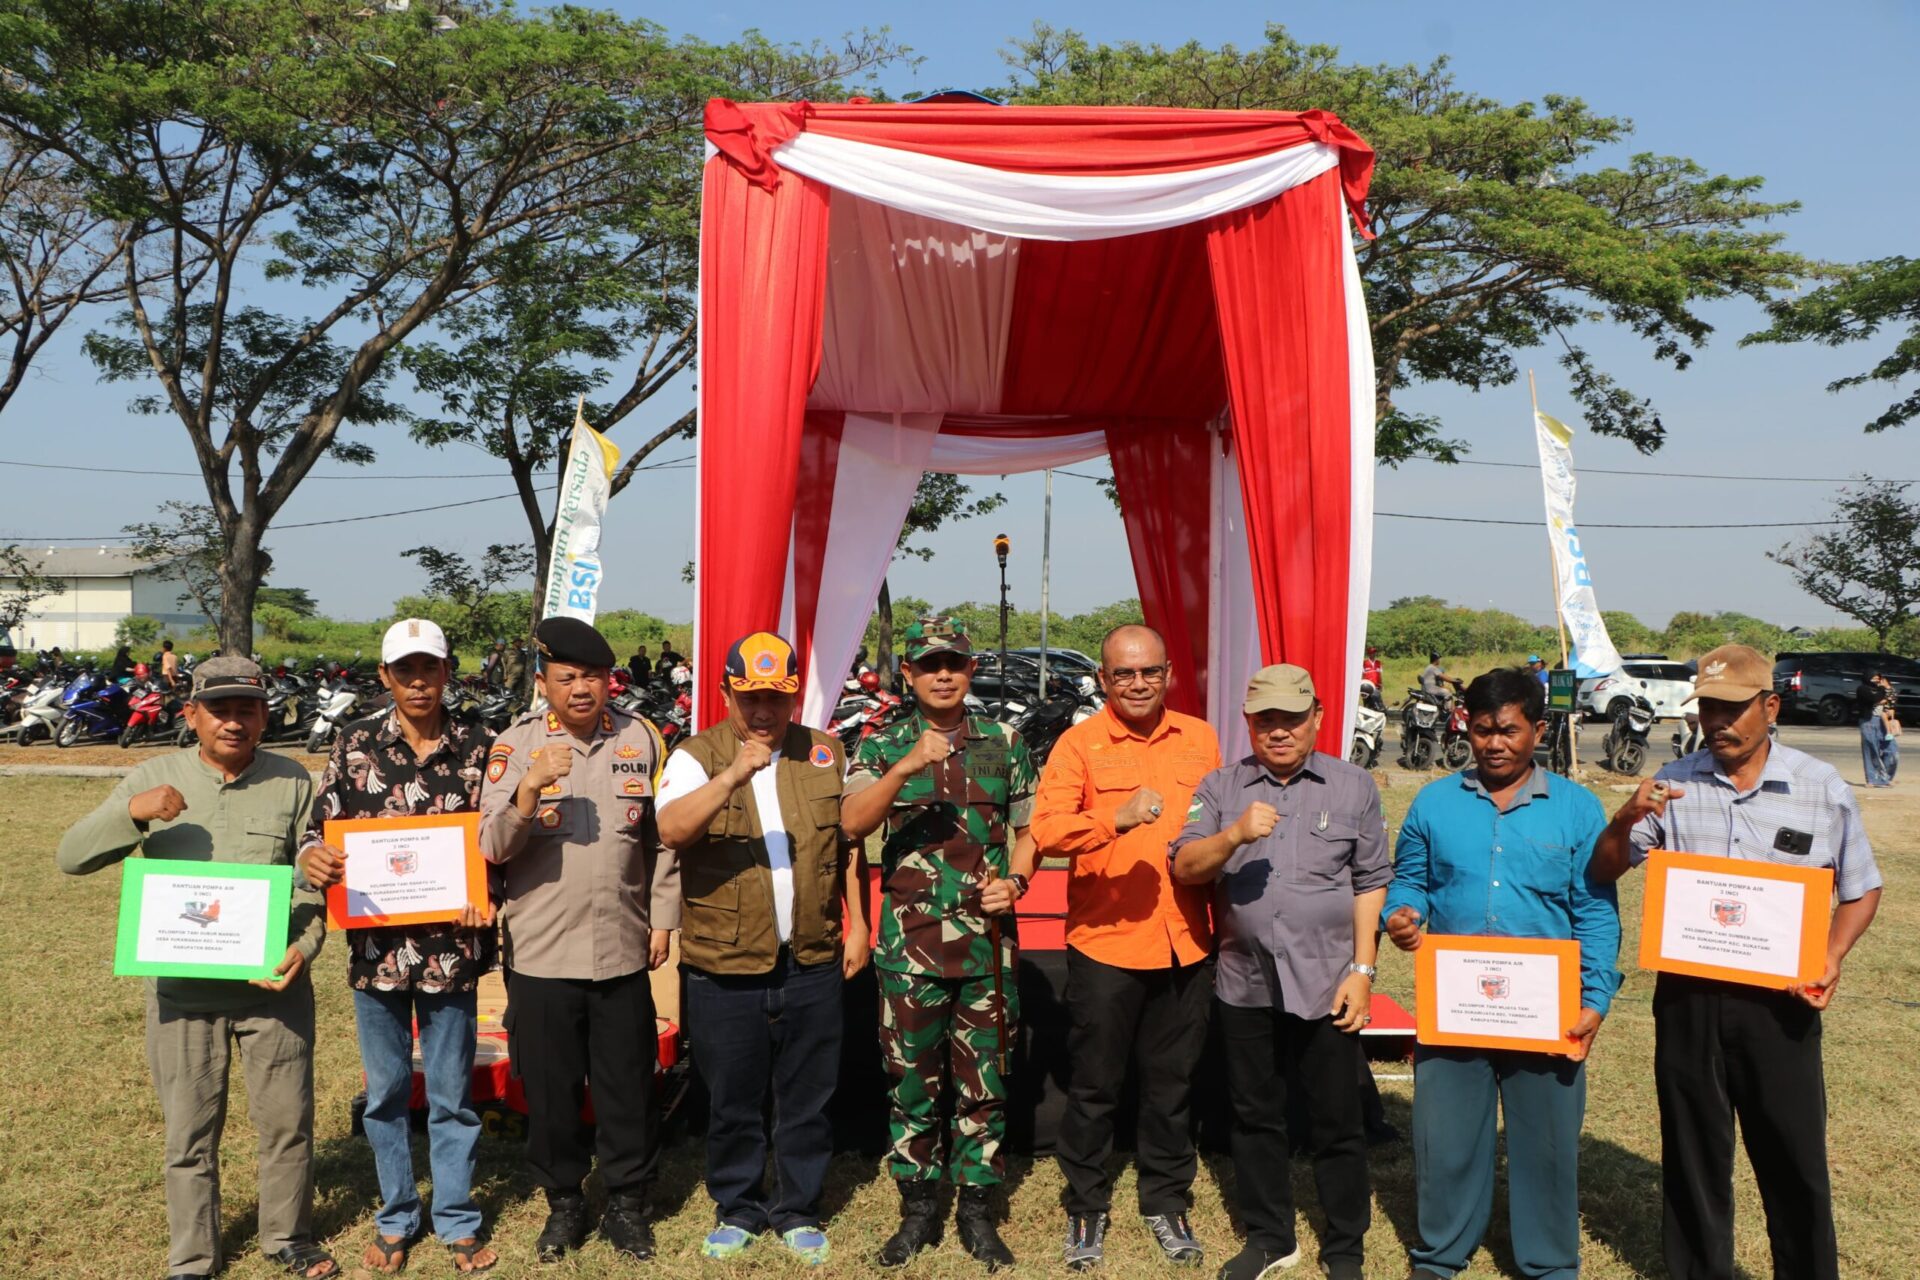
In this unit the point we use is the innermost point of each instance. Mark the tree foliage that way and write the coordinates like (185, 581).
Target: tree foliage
(472, 609)
(25, 586)
(187, 539)
(1496, 230)
(1867, 298)
(1868, 568)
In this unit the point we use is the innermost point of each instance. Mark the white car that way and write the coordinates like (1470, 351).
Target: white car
(1667, 685)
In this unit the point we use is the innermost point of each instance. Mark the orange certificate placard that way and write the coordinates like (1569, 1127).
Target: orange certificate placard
(406, 870)
(1496, 993)
(1735, 919)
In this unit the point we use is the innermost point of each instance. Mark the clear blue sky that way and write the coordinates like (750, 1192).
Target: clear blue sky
(1823, 109)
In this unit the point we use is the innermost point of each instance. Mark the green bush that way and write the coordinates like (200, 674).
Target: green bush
(137, 631)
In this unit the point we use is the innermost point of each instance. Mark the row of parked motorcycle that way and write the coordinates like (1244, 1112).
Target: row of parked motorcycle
(1434, 731)
(1011, 696)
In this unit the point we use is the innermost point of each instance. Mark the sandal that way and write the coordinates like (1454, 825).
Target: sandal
(302, 1257)
(463, 1251)
(386, 1255)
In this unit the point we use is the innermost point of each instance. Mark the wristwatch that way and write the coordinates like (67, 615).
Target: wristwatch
(1366, 971)
(1019, 882)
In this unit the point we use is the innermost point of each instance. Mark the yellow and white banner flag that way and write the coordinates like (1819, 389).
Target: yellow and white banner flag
(1593, 653)
(573, 572)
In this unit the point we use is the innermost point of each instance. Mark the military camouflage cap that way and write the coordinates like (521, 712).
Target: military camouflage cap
(944, 634)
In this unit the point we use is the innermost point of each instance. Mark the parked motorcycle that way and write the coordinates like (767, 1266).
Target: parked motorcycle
(93, 707)
(1624, 748)
(40, 712)
(151, 709)
(338, 702)
(1369, 730)
(1420, 730)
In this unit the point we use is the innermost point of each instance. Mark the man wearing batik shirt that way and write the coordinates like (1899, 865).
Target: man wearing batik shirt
(414, 758)
(955, 793)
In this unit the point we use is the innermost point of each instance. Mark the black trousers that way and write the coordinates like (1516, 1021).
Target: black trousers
(1269, 1054)
(563, 1032)
(1157, 1018)
(1722, 1050)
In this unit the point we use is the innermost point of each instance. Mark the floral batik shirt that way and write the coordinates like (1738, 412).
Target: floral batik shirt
(373, 774)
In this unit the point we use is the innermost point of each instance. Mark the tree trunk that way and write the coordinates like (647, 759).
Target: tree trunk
(883, 639)
(242, 569)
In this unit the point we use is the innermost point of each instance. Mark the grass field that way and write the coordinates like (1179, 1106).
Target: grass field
(81, 1196)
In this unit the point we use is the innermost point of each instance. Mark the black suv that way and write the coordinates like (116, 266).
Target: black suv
(1822, 686)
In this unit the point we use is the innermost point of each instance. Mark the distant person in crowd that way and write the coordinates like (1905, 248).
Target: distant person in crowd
(1724, 1051)
(764, 883)
(493, 666)
(1294, 845)
(192, 806)
(1890, 749)
(513, 670)
(663, 665)
(1370, 667)
(1116, 789)
(1435, 683)
(640, 667)
(169, 664)
(1538, 665)
(122, 665)
(424, 760)
(1871, 702)
(1504, 848)
(587, 904)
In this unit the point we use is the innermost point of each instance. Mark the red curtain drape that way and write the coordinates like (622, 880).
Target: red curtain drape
(812, 512)
(1160, 469)
(1278, 283)
(762, 280)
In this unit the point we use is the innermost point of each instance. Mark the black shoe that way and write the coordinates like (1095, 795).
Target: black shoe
(919, 1222)
(1175, 1238)
(1343, 1269)
(566, 1226)
(626, 1228)
(979, 1236)
(1255, 1263)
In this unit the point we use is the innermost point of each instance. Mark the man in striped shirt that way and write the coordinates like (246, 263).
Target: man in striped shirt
(1724, 1049)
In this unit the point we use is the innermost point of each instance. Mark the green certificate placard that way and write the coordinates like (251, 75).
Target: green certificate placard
(202, 919)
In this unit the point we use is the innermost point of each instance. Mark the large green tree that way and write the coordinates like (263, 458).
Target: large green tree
(1869, 567)
(1866, 299)
(355, 172)
(1497, 230)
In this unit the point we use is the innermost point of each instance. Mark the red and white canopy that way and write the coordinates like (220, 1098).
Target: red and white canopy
(887, 290)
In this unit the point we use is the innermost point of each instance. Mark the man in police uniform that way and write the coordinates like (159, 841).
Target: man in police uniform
(567, 811)
(955, 793)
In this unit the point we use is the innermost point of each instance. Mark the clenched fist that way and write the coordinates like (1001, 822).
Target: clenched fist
(1142, 806)
(1403, 926)
(547, 766)
(1257, 823)
(322, 865)
(754, 755)
(161, 804)
(1649, 799)
(933, 748)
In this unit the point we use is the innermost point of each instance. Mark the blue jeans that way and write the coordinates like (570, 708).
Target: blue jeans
(1456, 1096)
(447, 1021)
(1873, 750)
(779, 1031)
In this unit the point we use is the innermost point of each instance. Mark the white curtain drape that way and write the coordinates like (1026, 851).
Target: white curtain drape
(1042, 206)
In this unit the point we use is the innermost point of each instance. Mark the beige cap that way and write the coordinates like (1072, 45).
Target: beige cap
(1733, 673)
(1282, 687)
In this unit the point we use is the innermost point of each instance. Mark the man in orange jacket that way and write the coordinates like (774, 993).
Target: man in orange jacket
(1114, 794)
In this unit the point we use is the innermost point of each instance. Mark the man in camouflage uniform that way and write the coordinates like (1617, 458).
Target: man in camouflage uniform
(954, 792)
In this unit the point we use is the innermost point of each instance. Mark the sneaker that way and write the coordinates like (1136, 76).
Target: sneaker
(1086, 1240)
(809, 1244)
(1175, 1238)
(726, 1241)
(1255, 1263)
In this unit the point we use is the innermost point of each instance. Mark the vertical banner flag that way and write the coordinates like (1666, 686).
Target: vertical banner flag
(1593, 653)
(573, 572)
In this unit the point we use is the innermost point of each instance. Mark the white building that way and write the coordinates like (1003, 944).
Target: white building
(99, 586)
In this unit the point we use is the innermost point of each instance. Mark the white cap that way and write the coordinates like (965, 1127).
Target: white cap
(412, 635)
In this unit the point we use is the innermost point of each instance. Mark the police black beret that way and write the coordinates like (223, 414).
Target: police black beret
(571, 640)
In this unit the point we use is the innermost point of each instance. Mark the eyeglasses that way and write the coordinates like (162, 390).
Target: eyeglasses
(1125, 676)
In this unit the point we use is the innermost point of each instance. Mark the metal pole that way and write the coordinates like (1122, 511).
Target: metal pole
(1000, 549)
(1046, 567)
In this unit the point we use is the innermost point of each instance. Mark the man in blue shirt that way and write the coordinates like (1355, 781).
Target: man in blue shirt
(1503, 849)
